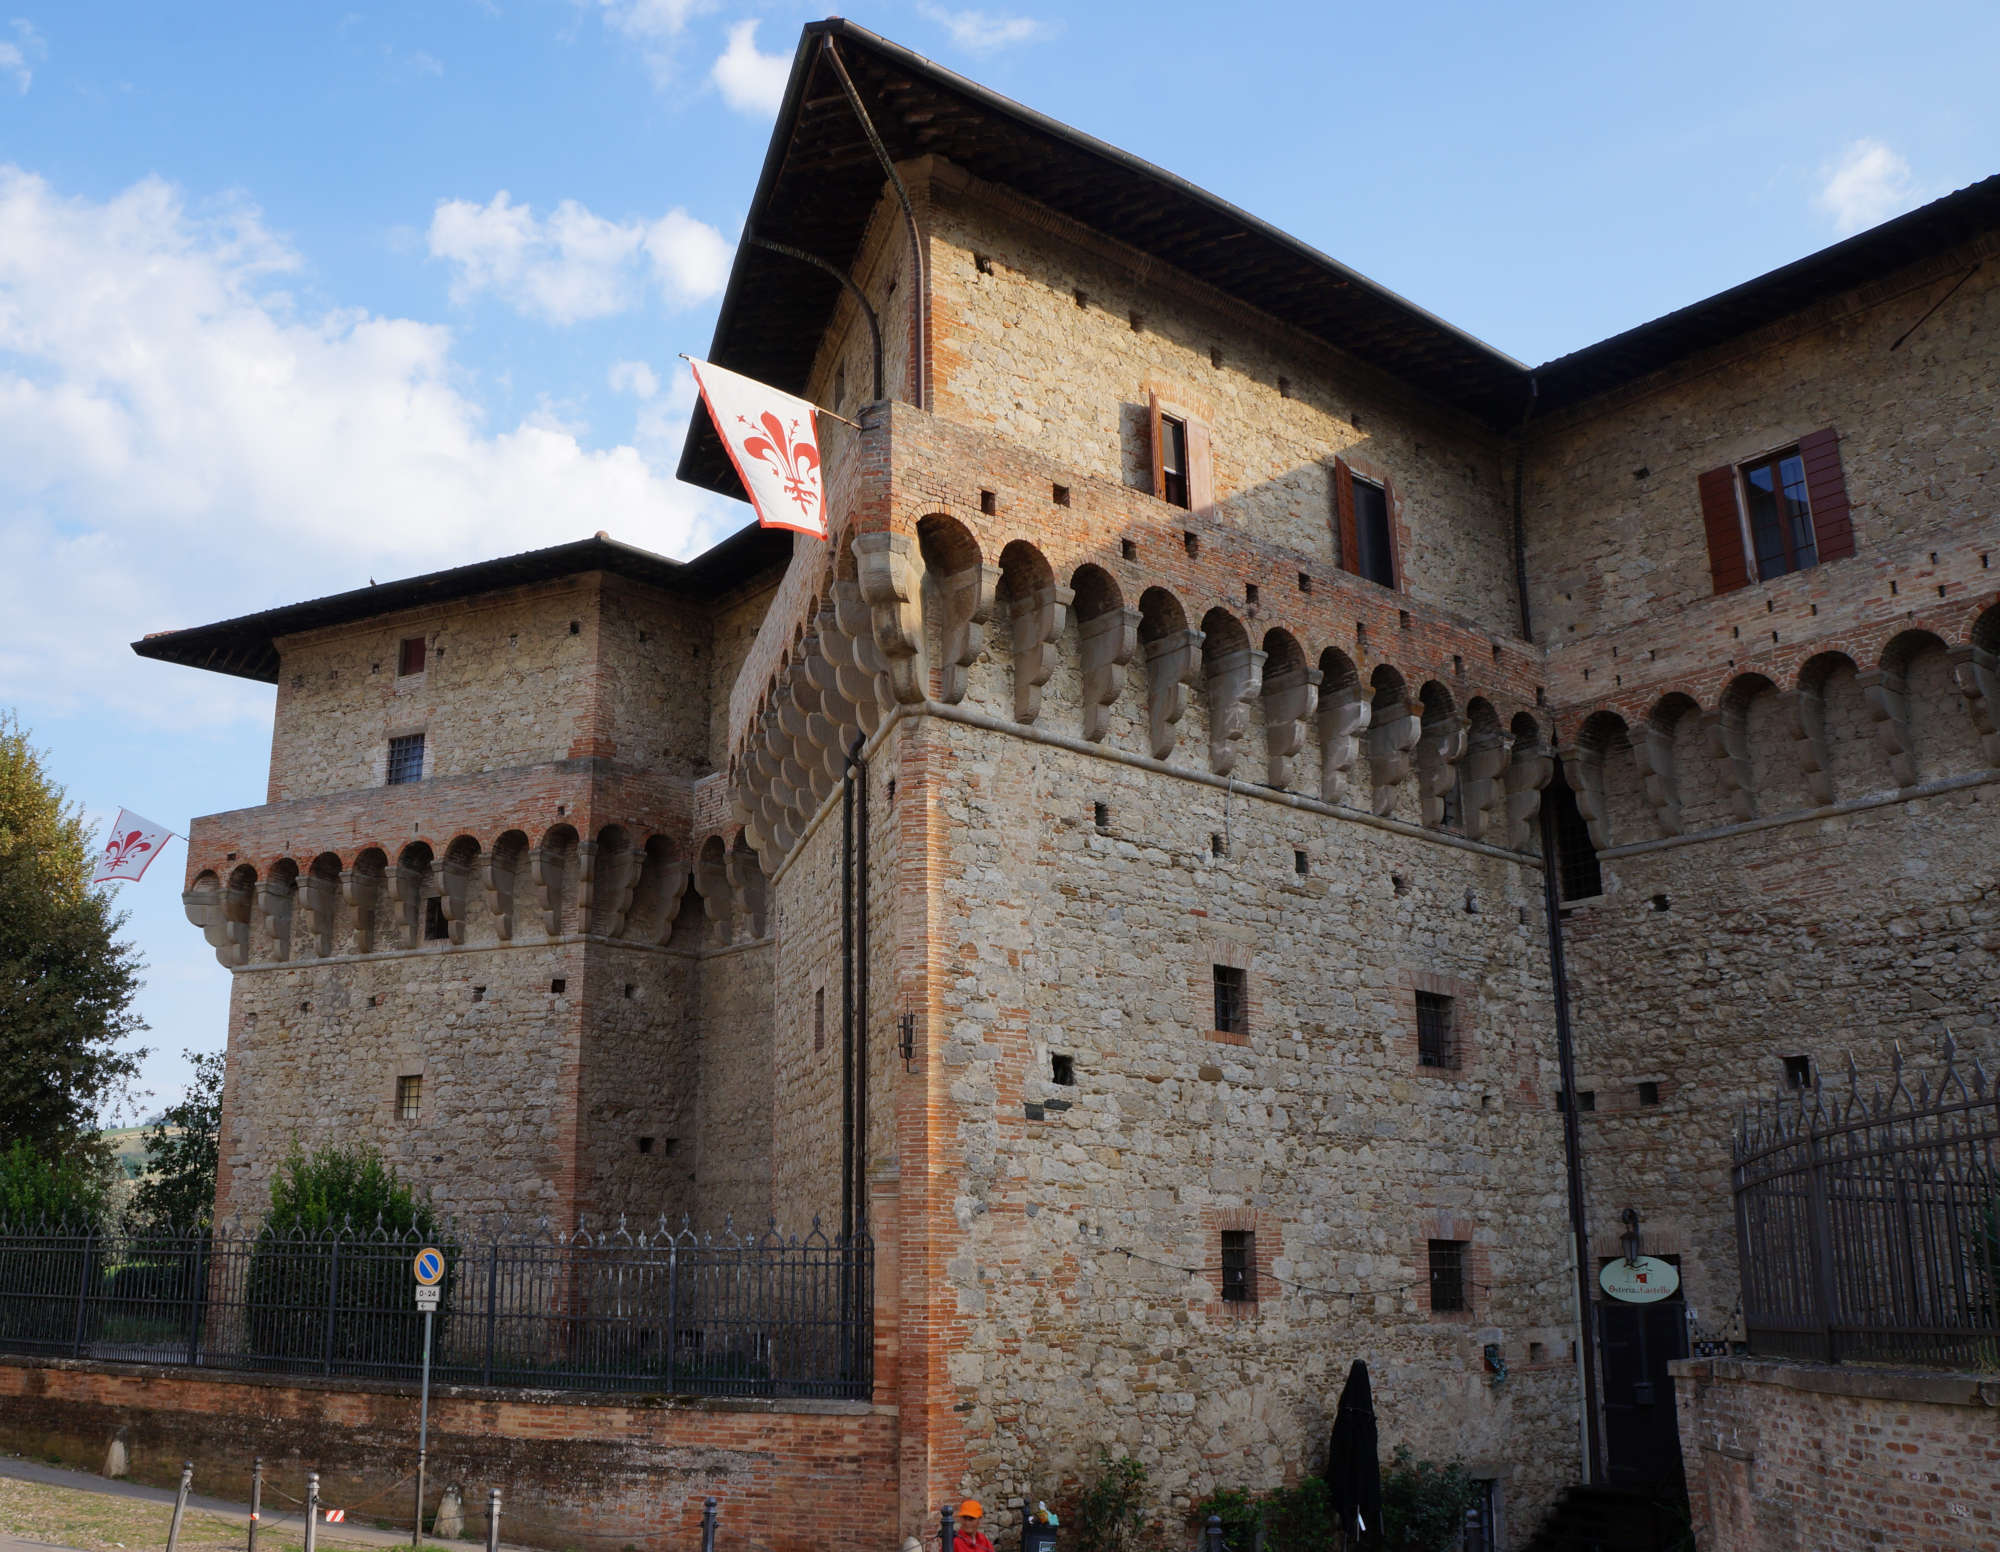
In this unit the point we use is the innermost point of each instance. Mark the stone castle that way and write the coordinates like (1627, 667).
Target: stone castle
(1213, 639)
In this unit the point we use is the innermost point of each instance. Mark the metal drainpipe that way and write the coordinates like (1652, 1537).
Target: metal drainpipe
(847, 997)
(1572, 1144)
(860, 991)
(917, 285)
(860, 300)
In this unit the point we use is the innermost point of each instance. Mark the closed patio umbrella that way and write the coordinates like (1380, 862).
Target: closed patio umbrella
(1353, 1471)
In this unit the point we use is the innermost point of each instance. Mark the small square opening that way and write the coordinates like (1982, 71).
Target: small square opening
(1059, 494)
(1649, 1094)
(1062, 1069)
(1305, 582)
(478, 994)
(989, 502)
(1301, 864)
(558, 986)
(1128, 549)
(631, 991)
(1100, 815)
(1798, 1072)
(1217, 846)
(1250, 594)
(1191, 542)
(645, 1145)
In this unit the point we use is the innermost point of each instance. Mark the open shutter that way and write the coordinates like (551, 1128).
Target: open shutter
(1726, 563)
(1393, 510)
(1155, 448)
(1343, 516)
(1201, 466)
(1826, 489)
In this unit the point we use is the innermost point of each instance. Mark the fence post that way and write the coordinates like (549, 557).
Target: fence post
(312, 1511)
(708, 1525)
(83, 1291)
(1212, 1536)
(492, 1519)
(198, 1293)
(180, 1506)
(947, 1528)
(492, 1312)
(1821, 1221)
(256, 1498)
(673, 1311)
(332, 1296)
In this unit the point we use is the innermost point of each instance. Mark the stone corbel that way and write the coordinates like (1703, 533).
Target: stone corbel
(1529, 772)
(1888, 701)
(454, 894)
(1729, 744)
(1173, 662)
(1586, 778)
(1653, 754)
(1345, 713)
(363, 894)
(1108, 642)
(753, 890)
(1235, 679)
(839, 711)
(223, 915)
(866, 682)
(961, 602)
(1976, 671)
(1390, 743)
(500, 895)
(888, 582)
(673, 886)
(815, 742)
(1291, 696)
(545, 872)
(1806, 716)
(406, 889)
(1036, 622)
(717, 901)
(617, 879)
(1484, 762)
(321, 898)
(275, 898)
(1439, 749)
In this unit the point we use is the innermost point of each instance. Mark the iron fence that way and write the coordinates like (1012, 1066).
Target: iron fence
(666, 1310)
(1868, 1225)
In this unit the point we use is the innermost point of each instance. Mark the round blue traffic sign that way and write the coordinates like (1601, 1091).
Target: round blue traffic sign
(430, 1267)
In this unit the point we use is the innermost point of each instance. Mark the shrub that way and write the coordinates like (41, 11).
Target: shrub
(1237, 1509)
(1292, 1519)
(36, 1189)
(1424, 1503)
(1110, 1510)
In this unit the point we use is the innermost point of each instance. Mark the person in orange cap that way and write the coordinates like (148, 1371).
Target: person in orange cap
(971, 1535)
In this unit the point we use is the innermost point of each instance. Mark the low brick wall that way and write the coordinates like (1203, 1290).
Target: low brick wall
(789, 1477)
(1796, 1457)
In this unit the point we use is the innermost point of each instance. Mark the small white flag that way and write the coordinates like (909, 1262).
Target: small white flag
(135, 841)
(773, 443)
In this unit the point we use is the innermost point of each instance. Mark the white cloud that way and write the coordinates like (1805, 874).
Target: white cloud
(635, 378)
(655, 25)
(751, 82)
(1865, 185)
(981, 32)
(574, 265)
(180, 441)
(15, 57)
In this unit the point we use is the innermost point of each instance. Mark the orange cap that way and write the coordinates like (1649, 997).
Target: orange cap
(970, 1510)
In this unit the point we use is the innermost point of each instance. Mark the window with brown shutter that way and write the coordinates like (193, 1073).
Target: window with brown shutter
(411, 656)
(1826, 489)
(1791, 505)
(1364, 513)
(1182, 455)
(1724, 524)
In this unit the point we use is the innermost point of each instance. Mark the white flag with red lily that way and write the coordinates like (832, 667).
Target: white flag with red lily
(773, 443)
(134, 843)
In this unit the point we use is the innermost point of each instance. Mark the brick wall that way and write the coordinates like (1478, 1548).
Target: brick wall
(1785, 1456)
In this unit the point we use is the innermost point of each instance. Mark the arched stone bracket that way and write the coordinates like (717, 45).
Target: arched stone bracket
(1235, 679)
(454, 893)
(864, 674)
(406, 889)
(362, 890)
(718, 900)
(1976, 671)
(962, 601)
(1173, 662)
(1888, 700)
(1439, 749)
(545, 870)
(274, 904)
(1653, 753)
(1291, 697)
(752, 890)
(889, 586)
(1729, 744)
(321, 897)
(1806, 713)
(1108, 644)
(1529, 771)
(617, 880)
(223, 915)
(1484, 763)
(1345, 715)
(500, 893)
(1584, 769)
(1037, 624)
(1390, 744)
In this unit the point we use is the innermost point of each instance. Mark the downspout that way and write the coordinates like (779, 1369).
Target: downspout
(847, 1003)
(860, 992)
(1520, 511)
(1572, 1144)
(860, 300)
(918, 285)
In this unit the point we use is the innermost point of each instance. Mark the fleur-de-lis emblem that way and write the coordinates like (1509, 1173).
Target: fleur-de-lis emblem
(123, 848)
(796, 462)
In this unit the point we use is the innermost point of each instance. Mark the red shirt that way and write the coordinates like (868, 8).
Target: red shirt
(972, 1541)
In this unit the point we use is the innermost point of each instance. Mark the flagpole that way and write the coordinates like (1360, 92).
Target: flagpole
(818, 409)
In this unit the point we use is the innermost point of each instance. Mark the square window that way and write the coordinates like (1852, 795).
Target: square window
(558, 986)
(1798, 1072)
(1173, 460)
(1780, 514)
(411, 657)
(1062, 1069)
(1239, 1266)
(1649, 1094)
(1232, 1000)
(406, 759)
(645, 1145)
(1586, 1099)
(435, 926)
(1447, 1276)
(410, 1097)
(1436, 1046)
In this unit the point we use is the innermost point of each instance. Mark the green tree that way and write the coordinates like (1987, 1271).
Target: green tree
(35, 1188)
(177, 1191)
(66, 982)
(1424, 1503)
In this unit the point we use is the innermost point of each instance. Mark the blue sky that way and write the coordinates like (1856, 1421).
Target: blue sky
(295, 295)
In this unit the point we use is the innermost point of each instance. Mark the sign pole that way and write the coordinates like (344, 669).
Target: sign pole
(429, 1270)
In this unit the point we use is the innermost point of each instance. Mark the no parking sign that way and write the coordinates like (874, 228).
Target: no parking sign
(430, 1272)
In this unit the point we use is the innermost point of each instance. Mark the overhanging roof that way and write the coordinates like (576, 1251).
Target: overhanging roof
(821, 182)
(245, 646)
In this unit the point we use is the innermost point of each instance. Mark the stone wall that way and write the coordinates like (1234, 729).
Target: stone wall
(612, 1470)
(1787, 1457)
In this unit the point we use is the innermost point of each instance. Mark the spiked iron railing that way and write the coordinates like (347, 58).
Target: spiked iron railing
(1868, 1224)
(660, 1310)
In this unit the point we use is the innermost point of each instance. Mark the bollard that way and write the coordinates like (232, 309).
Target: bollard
(180, 1505)
(493, 1519)
(312, 1510)
(947, 1528)
(1214, 1537)
(708, 1525)
(256, 1498)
